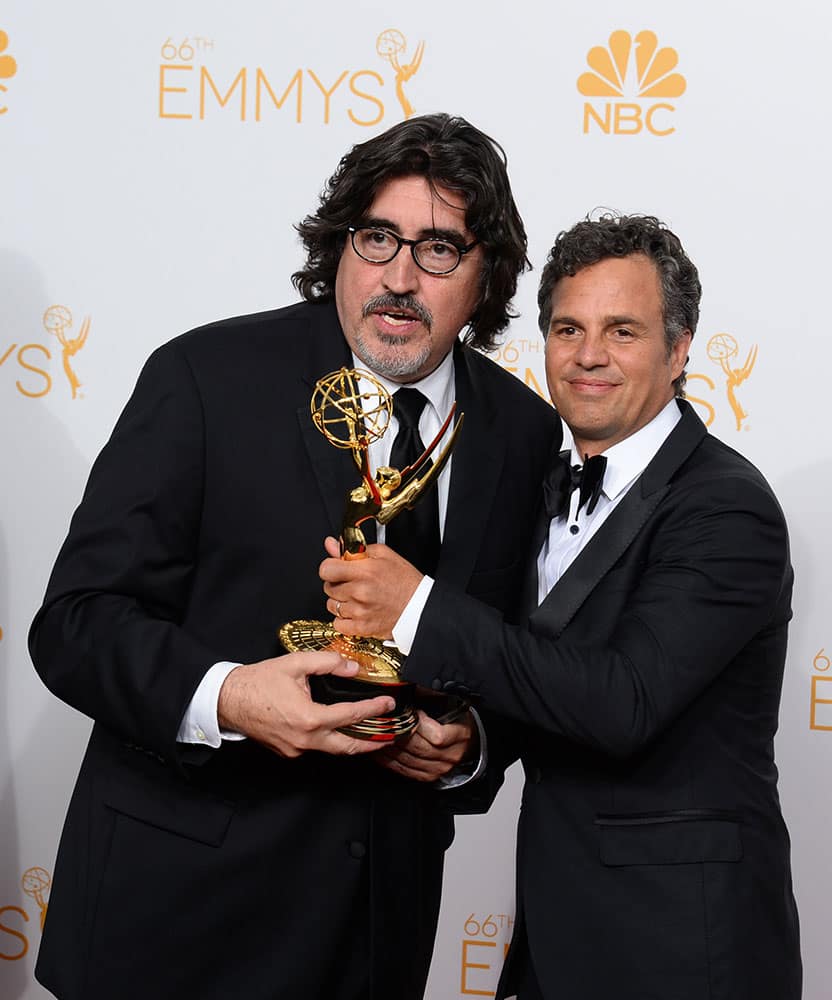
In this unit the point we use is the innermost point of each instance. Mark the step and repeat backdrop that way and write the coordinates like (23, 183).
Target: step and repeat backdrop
(153, 161)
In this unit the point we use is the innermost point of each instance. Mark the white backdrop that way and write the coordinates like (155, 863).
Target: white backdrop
(152, 163)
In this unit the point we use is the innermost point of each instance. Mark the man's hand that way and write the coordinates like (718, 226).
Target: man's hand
(432, 750)
(367, 596)
(270, 702)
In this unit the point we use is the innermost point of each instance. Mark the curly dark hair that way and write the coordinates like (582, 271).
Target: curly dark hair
(450, 153)
(613, 235)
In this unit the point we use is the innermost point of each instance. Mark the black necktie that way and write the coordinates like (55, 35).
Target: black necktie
(563, 479)
(414, 534)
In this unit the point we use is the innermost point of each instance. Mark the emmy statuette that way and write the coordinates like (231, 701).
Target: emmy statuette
(351, 408)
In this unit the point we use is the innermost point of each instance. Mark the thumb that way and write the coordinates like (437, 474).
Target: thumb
(430, 729)
(323, 662)
(332, 546)
(343, 714)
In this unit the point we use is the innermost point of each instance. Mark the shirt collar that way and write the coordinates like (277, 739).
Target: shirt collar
(438, 387)
(629, 458)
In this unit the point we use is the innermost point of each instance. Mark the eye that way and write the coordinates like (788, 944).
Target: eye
(436, 256)
(438, 251)
(378, 237)
(565, 331)
(375, 245)
(622, 333)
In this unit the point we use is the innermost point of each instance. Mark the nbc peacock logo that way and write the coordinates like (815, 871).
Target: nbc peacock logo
(631, 79)
(8, 67)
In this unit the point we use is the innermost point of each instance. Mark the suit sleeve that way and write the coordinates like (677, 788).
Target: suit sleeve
(716, 574)
(108, 639)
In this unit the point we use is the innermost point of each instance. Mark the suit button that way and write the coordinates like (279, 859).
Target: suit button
(437, 684)
(357, 849)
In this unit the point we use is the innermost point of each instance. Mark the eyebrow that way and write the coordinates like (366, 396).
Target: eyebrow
(449, 235)
(563, 321)
(608, 321)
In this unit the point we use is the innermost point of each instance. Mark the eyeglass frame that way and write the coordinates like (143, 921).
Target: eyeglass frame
(402, 241)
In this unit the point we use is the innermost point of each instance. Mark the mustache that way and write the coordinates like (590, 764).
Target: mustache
(390, 302)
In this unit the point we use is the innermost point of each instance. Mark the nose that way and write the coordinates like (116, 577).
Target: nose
(401, 274)
(591, 351)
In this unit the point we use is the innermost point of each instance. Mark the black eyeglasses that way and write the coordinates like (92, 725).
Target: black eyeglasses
(380, 246)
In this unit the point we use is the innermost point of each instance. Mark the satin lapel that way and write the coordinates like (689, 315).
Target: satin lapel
(334, 469)
(604, 549)
(476, 467)
(614, 537)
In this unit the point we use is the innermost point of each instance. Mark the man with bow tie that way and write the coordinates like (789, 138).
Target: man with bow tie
(643, 693)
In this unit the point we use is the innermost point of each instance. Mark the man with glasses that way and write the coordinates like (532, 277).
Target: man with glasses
(225, 839)
(436, 256)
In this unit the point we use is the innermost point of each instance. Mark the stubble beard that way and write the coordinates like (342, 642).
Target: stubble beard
(392, 356)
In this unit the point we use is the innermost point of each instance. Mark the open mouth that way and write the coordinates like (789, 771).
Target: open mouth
(397, 318)
(398, 310)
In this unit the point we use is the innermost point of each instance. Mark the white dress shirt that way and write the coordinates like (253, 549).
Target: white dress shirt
(569, 534)
(626, 461)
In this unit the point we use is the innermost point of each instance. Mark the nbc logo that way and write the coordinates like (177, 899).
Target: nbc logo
(631, 73)
(8, 66)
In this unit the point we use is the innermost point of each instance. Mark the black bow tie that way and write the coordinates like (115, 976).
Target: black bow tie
(563, 479)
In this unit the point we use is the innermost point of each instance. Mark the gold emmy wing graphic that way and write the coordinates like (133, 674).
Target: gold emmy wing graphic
(653, 65)
(57, 320)
(351, 408)
(35, 882)
(722, 347)
(389, 45)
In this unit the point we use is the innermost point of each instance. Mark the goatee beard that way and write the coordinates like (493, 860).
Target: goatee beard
(395, 362)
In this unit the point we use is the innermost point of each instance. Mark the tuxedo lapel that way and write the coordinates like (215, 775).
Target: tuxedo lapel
(605, 548)
(476, 466)
(334, 468)
(616, 534)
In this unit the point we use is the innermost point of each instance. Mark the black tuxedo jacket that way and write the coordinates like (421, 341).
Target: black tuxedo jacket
(653, 861)
(235, 873)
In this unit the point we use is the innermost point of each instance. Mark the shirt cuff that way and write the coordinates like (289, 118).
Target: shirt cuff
(462, 774)
(199, 723)
(404, 631)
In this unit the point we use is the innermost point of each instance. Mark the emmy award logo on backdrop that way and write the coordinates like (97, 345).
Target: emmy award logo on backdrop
(35, 882)
(351, 408)
(389, 45)
(57, 320)
(722, 347)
